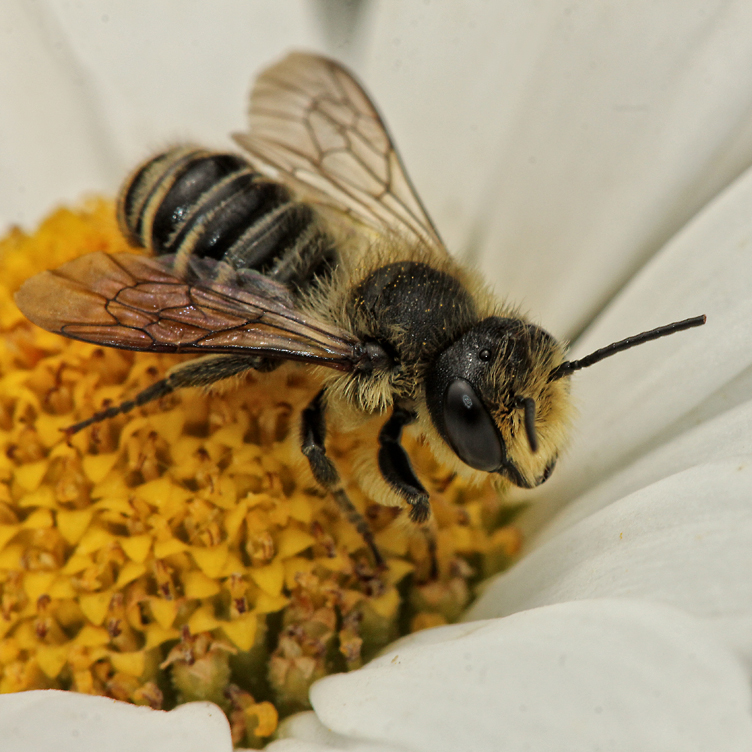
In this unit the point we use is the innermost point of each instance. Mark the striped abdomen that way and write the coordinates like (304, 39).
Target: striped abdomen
(192, 201)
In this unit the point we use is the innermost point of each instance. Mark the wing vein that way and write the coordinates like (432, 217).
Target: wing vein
(312, 125)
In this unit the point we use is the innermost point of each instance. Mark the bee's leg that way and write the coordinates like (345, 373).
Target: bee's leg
(396, 468)
(356, 519)
(313, 438)
(398, 471)
(199, 372)
(430, 532)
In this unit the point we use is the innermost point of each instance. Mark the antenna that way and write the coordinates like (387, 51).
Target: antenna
(569, 366)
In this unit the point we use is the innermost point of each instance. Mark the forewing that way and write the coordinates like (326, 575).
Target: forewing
(135, 302)
(313, 126)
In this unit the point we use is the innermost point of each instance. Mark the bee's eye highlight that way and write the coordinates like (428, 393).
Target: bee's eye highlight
(471, 430)
(528, 406)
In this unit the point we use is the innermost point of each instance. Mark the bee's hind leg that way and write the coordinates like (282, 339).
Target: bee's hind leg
(313, 438)
(199, 372)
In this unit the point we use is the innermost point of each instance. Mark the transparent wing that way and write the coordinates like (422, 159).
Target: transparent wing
(313, 126)
(136, 302)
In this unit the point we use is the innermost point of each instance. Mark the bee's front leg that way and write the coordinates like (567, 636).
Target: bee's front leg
(313, 439)
(396, 467)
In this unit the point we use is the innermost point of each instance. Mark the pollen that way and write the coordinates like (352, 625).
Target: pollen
(184, 551)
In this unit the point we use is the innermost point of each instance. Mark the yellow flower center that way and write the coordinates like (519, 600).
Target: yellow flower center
(184, 551)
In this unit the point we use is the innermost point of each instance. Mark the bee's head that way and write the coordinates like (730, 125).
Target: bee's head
(499, 396)
(490, 398)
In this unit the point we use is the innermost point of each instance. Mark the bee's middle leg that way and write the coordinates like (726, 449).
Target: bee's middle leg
(313, 439)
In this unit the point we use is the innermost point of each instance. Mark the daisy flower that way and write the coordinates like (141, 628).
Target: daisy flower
(592, 162)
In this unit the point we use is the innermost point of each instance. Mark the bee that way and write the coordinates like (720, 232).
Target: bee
(313, 246)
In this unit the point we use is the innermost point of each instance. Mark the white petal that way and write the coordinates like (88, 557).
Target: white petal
(685, 541)
(604, 674)
(305, 733)
(90, 89)
(640, 399)
(51, 141)
(70, 722)
(725, 440)
(166, 70)
(587, 136)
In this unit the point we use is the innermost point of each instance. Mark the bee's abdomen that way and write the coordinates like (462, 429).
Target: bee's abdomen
(192, 201)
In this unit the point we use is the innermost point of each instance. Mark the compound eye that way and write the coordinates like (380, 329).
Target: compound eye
(471, 430)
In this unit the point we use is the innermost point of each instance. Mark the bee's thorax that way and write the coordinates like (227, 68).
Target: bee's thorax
(413, 310)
